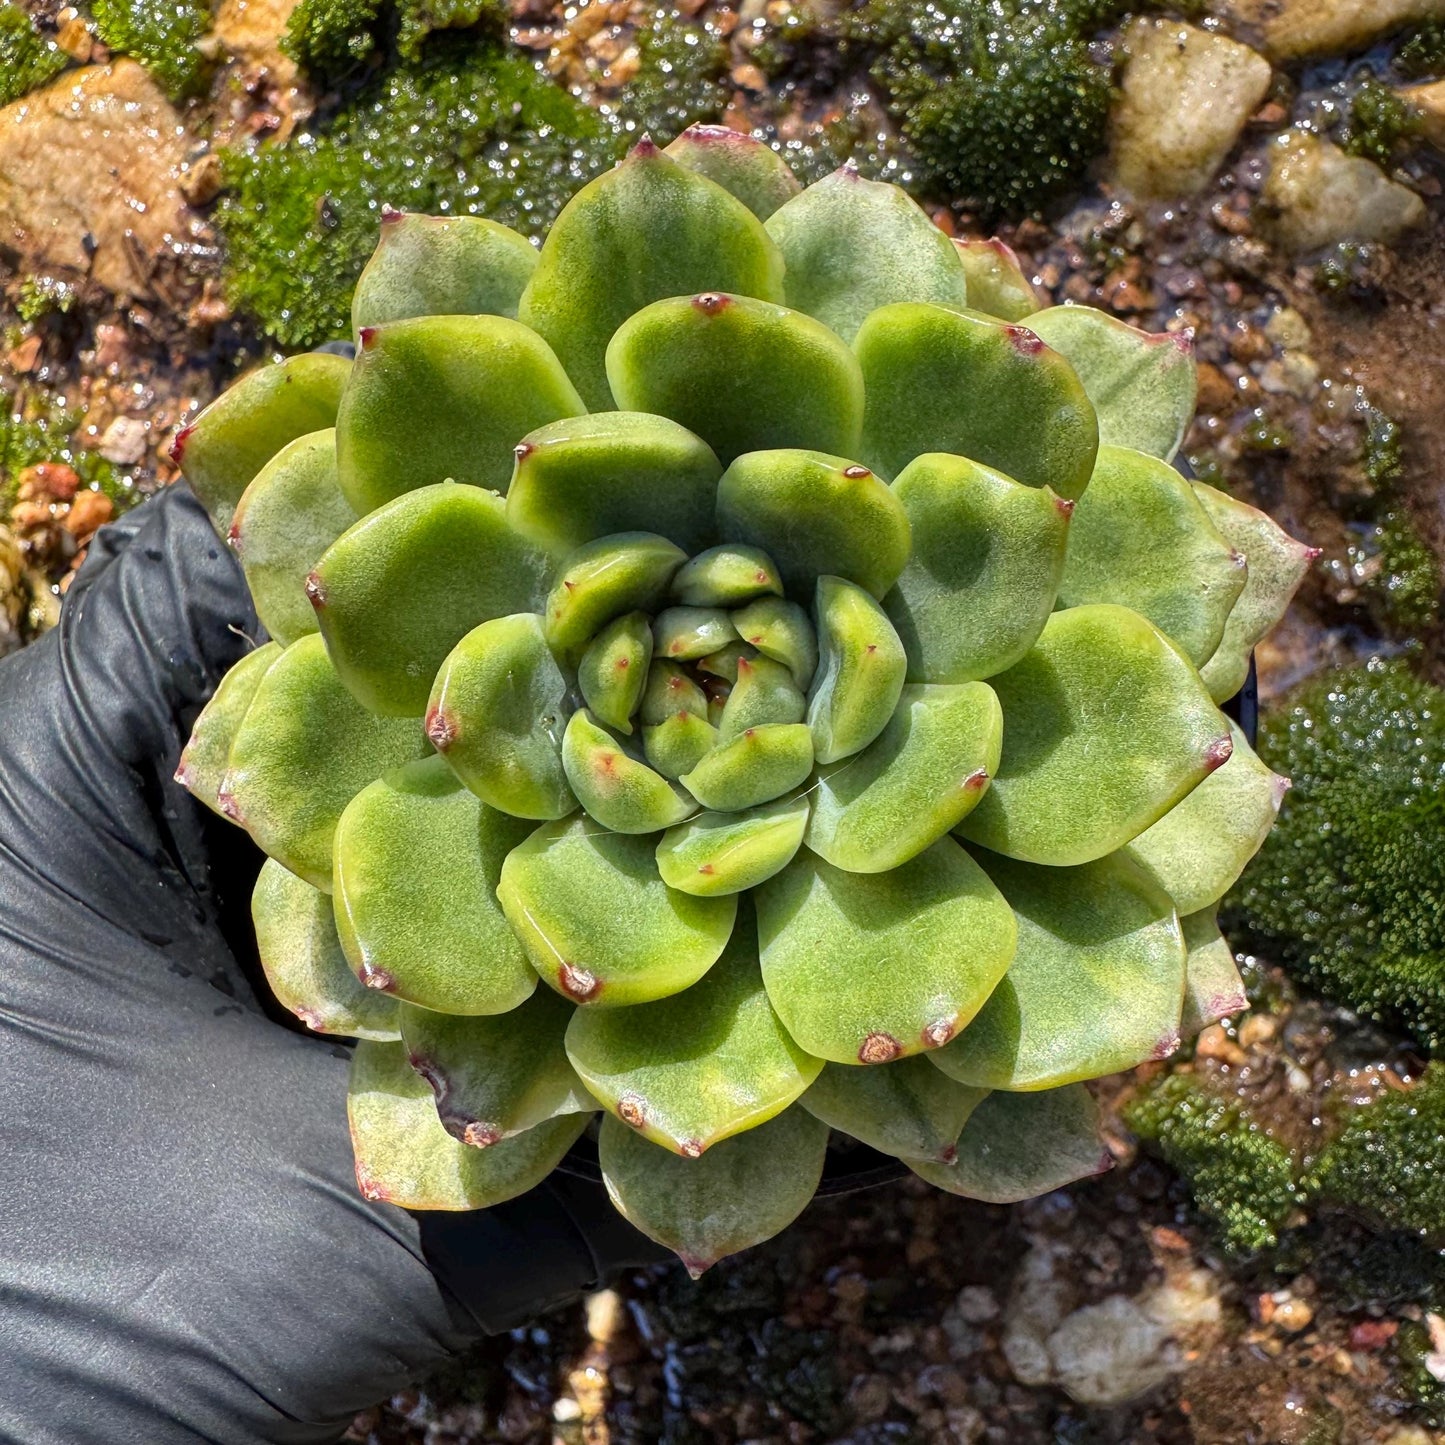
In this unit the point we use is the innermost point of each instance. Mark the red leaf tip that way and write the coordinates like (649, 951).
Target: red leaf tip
(879, 1048)
(630, 1110)
(178, 445)
(315, 590)
(1064, 506)
(936, 1034)
(441, 729)
(710, 303)
(1219, 752)
(480, 1135)
(390, 214)
(856, 474)
(578, 983)
(645, 148)
(1024, 341)
(367, 337)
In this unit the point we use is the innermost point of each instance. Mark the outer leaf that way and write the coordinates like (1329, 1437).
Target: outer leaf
(605, 579)
(405, 1157)
(613, 670)
(906, 1108)
(289, 515)
(988, 555)
(1095, 987)
(716, 853)
(696, 1068)
(940, 380)
(1106, 727)
(861, 665)
(598, 922)
(760, 764)
(496, 1077)
(997, 285)
(401, 588)
(1018, 1146)
(783, 631)
(1141, 538)
(871, 967)
(645, 230)
(304, 964)
(817, 515)
(764, 692)
(617, 790)
(726, 576)
(1277, 566)
(613, 471)
(745, 375)
(1213, 988)
(443, 398)
(495, 714)
(739, 1193)
(207, 753)
(304, 749)
(921, 777)
(1197, 850)
(1141, 384)
(223, 449)
(441, 266)
(744, 167)
(417, 859)
(850, 246)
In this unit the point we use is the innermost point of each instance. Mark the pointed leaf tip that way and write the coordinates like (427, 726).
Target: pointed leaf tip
(645, 148)
(178, 445)
(1219, 752)
(367, 337)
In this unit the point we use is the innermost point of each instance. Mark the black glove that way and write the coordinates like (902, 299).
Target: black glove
(183, 1251)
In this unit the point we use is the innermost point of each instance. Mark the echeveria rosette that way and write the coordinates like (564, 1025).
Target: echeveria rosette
(745, 670)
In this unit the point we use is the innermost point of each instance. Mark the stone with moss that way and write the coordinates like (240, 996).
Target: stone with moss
(27, 58)
(1349, 889)
(41, 430)
(161, 36)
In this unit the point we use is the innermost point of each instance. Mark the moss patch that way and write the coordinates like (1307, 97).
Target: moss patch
(162, 36)
(27, 58)
(327, 37)
(1349, 888)
(1380, 123)
(681, 79)
(40, 430)
(1422, 51)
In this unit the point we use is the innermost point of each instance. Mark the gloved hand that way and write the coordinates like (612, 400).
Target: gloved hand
(183, 1251)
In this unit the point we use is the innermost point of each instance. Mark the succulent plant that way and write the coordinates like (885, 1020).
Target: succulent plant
(723, 680)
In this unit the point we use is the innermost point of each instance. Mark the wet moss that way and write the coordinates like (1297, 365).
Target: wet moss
(1380, 123)
(40, 429)
(681, 80)
(27, 58)
(1421, 53)
(327, 37)
(40, 296)
(1407, 585)
(1243, 1181)
(1349, 889)
(162, 36)
(1413, 1349)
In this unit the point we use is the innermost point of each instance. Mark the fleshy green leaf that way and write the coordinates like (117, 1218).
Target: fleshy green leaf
(613, 471)
(1197, 850)
(739, 1193)
(496, 1077)
(443, 398)
(670, 691)
(939, 380)
(988, 555)
(1277, 566)
(302, 958)
(817, 515)
(906, 1108)
(717, 853)
(613, 670)
(206, 756)
(917, 780)
(598, 922)
(745, 375)
(417, 859)
(304, 749)
(783, 631)
(496, 715)
(606, 578)
(684, 633)
(441, 266)
(745, 168)
(1095, 987)
(757, 766)
(696, 1068)
(850, 246)
(725, 661)
(1106, 726)
(405, 1157)
(1141, 538)
(648, 229)
(617, 790)
(861, 666)
(997, 285)
(764, 692)
(1213, 989)
(678, 743)
(1018, 1146)
(871, 967)
(289, 515)
(1141, 384)
(726, 576)
(401, 588)
(233, 438)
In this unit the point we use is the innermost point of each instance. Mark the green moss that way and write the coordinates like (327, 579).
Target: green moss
(162, 35)
(1001, 102)
(472, 129)
(40, 430)
(1408, 582)
(1349, 889)
(27, 58)
(1383, 450)
(327, 37)
(43, 296)
(681, 80)
(1412, 1349)
(1422, 52)
(1241, 1179)
(419, 18)
(1380, 122)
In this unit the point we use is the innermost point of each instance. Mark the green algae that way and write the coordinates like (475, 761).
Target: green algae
(27, 58)
(161, 36)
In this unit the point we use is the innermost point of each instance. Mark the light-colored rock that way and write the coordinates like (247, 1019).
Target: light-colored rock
(250, 31)
(1185, 97)
(14, 591)
(1291, 29)
(1042, 1295)
(90, 172)
(1319, 195)
(1184, 1303)
(124, 441)
(1429, 103)
(1110, 1352)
